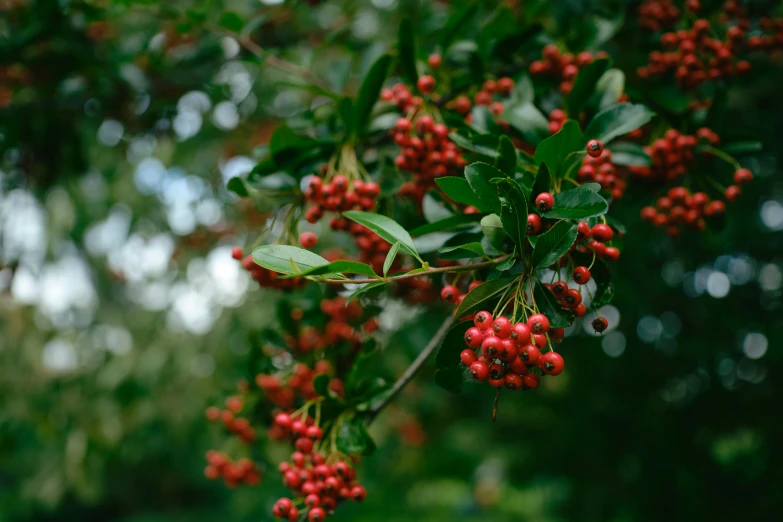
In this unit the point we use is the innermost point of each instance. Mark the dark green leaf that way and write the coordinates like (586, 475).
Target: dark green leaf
(452, 345)
(340, 267)
(321, 384)
(629, 154)
(369, 92)
(513, 210)
(742, 147)
(507, 159)
(528, 120)
(543, 181)
(279, 258)
(554, 243)
(481, 296)
(492, 228)
(454, 221)
(578, 203)
(407, 50)
(345, 109)
(615, 224)
(390, 258)
(385, 227)
(482, 144)
(285, 144)
(461, 251)
(352, 437)
(231, 21)
(585, 85)
(457, 24)
(450, 379)
(363, 290)
(610, 87)
(555, 149)
(479, 176)
(458, 189)
(548, 305)
(617, 120)
(237, 186)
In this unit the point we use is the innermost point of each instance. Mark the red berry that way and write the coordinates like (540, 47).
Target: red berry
(743, 177)
(490, 346)
(581, 275)
(426, 84)
(314, 433)
(312, 500)
(533, 224)
(573, 298)
(316, 515)
(531, 381)
(594, 148)
(502, 327)
(358, 493)
(600, 324)
(479, 371)
(529, 354)
(237, 253)
(611, 254)
(293, 515)
(434, 61)
(520, 333)
(602, 233)
(308, 240)
(482, 320)
(518, 366)
(283, 420)
(282, 507)
(473, 337)
(538, 323)
(582, 231)
(544, 202)
(304, 444)
(513, 381)
(551, 363)
(580, 310)
(467, 357)
(449, 293)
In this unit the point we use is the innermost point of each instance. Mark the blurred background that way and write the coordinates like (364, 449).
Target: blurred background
(122, 314)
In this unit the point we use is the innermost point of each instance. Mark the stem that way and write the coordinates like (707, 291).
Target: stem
(722, 155)
(408, 375)
(439, 270)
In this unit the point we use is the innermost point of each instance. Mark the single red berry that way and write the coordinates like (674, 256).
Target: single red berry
(312, 500)
(502, 327)
(304, 444)
(358, 493)
(533, 224)
(539, 340)
(426, 84)
(299, 428)
(508, 350)
(743, 177)
(518, 366)
(529, 354)
(559, 288)
(283, 420)
(520, 333)
(434, 60)
(611, 254)
(479, 371)
(237, 253)
(594, 148)
(513, 381)
(316, 514)
(531, 381)
(551, 363)
(449, 293)
(538, 323)
(505, 85)
(600, 324)
(482, 320)
(293, 515)
(581, 275)
(282, 507)
(582, 231)
(314, 433)
(473, 337)
(580, 310)
(308, 240)
(544, 202)
(573, 298)
(490, 346)
(467, 357)
(602, 233)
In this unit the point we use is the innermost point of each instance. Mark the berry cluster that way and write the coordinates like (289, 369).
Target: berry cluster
(266, 278)
(672, 153)
(571, 298)
(342, 325)
(599, 169)
(562, 66)
(239, 426)
(283, 389)
(451, 294)
(695, 58)
(507, 355)
(338, 195)
(242, 471)
(401, 96)
(426, 152)
(593, 239)
(655, 14)
(322, 486)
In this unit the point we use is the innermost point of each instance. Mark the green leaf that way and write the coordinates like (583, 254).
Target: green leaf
(543, 181)
(231, 21)
(473, 249)
(555, 149)
(282, 258)
(457, 25)
(237, 186)
(386, 227)
(479, 175)
(507, 158)
(513, 210)
(629, 154)
(407, 51)
(579, 203)
(492, 228)
(528, 120)
(340, 267)
(482, 144)
(742, 147)
(285, 144)
(369, 92)
(390, 258)
(454, 221)
(452, 345)
(481, 296)
(363, 290)
(321, 384)
(617, 120)
(554, 243)
(352, 437)
(616, 224)
(450, 379)
(610, 87)
(584, 85)
(345, 109)
(458, 189)
(548, 305)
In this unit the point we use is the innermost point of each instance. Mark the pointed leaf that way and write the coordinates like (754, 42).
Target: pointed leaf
(555, 149)
(237, 186)
(585, 85)
(342, 267)
(458, 189)
(507, 159)
(543, 181)
(406, 46)
(479, 175)
(513, 211)
(390, 258)
(364, 289)
(352, 437)
(629, 154)
(481, 296)
(461, 251)
(482, 144)
(386, 227)
(548, 305)
(457, 24)
(617, 120)
(369, 92)
(286, 259)
(578, 203)
(450, 379)
(554, 243)
(451, 222)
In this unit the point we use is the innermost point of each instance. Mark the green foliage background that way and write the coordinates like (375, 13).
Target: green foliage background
(684, 427)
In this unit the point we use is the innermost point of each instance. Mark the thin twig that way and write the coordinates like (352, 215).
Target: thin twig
(439, 270)
(409, 373)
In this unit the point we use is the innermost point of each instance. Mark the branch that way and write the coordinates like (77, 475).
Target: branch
(439, 270)
(410, 373)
